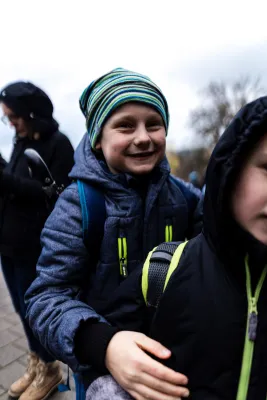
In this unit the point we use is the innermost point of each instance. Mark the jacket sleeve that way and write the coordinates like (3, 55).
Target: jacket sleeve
(32, 189)
(126, 310)
(194, 199)
(54, 307)
(23, 188)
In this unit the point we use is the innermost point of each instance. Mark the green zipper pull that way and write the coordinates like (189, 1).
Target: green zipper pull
(124, 270)
(252, 320)
(168, 231)
(166, 234)
(122, 249)
(251, 332)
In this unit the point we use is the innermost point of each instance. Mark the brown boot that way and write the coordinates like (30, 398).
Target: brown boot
(18, 387)
(48, 377)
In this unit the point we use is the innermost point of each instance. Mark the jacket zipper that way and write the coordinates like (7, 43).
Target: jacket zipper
(122, 253)
(251, 332)
(168, 232)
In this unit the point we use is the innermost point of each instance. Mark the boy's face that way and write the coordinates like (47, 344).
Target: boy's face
(249, 201)
(133, 139)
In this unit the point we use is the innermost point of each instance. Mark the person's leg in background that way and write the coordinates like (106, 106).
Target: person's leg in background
(43, 373)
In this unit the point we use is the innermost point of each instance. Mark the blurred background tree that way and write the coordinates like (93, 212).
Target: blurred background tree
(185, 161)
(220, 102)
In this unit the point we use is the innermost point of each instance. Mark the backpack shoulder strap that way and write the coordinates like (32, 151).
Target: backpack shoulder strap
(93, 215)
(161, 262)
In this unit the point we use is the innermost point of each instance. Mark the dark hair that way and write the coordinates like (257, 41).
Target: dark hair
(30, 103)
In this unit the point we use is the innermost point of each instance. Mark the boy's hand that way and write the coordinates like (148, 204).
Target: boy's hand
(140, 375)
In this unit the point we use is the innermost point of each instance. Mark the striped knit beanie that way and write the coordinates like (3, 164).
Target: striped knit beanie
(110, 91)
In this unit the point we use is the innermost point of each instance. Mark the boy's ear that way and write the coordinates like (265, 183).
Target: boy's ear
(98, 145)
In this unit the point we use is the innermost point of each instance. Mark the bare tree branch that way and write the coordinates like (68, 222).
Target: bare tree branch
(220, 102)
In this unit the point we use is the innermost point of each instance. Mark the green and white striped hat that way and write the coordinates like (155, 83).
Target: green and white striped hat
(113, 89)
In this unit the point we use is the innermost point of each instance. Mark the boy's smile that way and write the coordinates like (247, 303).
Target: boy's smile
(133, 139)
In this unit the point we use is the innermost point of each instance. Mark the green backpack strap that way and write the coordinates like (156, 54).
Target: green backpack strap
(157, 270)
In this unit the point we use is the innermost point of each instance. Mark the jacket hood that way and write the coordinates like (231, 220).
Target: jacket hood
(233, 148)
(93, 169)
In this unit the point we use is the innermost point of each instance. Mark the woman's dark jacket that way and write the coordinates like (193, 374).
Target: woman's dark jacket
(23, 203)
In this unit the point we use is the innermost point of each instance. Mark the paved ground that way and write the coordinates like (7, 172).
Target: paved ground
(13, 347)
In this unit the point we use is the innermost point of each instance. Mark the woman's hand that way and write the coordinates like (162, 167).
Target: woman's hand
(140, 375)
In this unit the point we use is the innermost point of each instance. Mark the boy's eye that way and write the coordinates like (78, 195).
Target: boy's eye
(125, 125)
(154, 124)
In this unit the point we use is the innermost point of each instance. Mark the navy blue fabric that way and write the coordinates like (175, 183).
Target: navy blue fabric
(94, 211)
(70, 287)
(18, 275)
(190, 192)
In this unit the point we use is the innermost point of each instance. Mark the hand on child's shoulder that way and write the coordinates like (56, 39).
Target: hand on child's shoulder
(140, 375)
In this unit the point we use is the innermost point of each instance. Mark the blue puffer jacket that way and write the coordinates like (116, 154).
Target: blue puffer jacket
(69, 288)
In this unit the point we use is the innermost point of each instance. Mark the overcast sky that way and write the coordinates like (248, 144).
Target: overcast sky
(62, 46)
